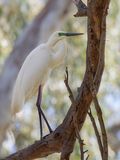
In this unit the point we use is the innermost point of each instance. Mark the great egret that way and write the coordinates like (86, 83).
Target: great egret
(36, 69)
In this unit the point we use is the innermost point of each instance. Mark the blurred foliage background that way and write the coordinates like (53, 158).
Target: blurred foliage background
(14, 16)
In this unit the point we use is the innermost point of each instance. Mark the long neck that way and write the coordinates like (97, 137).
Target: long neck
(51, 41)
(60, 53)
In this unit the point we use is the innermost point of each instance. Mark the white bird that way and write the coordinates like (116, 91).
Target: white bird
(36, 69)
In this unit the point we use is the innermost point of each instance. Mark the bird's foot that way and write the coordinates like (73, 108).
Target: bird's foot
(51, 131)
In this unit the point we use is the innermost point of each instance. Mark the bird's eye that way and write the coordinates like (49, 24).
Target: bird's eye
(61, 34)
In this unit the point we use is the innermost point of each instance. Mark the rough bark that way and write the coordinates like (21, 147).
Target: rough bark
(63, 138)
(37, 31)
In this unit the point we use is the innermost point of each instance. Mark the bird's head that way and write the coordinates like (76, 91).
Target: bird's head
(60, 35)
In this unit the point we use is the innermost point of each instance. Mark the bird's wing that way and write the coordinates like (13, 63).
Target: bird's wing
(32, 73)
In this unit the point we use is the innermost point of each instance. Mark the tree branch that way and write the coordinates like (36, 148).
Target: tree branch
(68, 87)
(41, 148)
(96, 132)
(103, 130)
(82, 152)
(82, 8)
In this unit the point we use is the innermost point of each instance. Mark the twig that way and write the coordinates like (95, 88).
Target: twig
(96, 132)
(87, 157)
(68, 87)
(81, 147)
(81, 143)
(103, 130)
(85, 151)
(82, 8)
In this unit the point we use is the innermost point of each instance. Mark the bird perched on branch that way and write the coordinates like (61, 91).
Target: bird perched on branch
(35, 71)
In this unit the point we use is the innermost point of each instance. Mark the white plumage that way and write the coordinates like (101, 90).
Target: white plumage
(36, 68)
(34, 73)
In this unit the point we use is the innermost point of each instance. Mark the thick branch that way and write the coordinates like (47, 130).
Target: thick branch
(48, 145)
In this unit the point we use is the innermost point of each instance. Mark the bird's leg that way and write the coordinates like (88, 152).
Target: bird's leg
(39, 99)
(38, 104)
(50, 130)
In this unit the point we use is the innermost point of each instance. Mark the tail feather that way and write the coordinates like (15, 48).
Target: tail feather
(17, 100)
